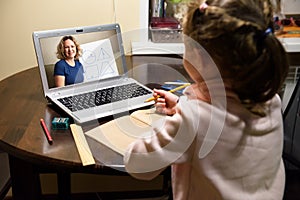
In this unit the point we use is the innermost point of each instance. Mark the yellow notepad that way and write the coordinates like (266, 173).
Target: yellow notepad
(119, 133)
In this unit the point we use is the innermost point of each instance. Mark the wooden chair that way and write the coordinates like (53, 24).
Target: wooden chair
(50, 71)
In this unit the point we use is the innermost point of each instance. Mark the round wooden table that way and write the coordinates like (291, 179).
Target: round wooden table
(22, 137)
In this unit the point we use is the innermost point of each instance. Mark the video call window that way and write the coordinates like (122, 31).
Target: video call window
(101, 55)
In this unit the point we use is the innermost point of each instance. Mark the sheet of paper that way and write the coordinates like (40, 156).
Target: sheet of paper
(121, 132)
(98, 60)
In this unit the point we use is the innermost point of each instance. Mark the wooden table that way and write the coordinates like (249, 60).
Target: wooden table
(22, 137)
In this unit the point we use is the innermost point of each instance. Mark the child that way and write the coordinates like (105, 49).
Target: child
(224, 137)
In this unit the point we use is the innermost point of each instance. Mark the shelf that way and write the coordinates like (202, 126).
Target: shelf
(290, 38)
(291, 44)
(150, 48)
(145, 46)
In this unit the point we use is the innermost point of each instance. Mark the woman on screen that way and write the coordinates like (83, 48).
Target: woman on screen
(68, 70)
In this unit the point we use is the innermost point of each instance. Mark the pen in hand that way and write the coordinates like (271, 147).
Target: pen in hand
(47, 133)
(173, 90)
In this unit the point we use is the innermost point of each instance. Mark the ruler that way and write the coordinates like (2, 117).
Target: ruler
(83, 148)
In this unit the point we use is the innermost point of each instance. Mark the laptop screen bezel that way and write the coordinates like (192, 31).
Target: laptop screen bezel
(38, 35)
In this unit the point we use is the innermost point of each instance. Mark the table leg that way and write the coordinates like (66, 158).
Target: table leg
(64, 185)
(25, 180)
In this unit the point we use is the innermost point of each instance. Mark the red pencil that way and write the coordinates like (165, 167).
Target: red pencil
(47, 133)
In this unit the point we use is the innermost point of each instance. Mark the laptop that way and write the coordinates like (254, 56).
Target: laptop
(106, 88)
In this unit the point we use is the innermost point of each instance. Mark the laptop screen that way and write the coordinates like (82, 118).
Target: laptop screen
(102, 52)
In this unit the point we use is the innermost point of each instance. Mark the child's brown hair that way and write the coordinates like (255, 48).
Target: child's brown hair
(238, 35)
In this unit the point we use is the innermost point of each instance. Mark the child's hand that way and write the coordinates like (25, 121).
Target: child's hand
(165, 101)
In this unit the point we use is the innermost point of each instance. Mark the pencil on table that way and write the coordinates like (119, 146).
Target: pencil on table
(173, 90)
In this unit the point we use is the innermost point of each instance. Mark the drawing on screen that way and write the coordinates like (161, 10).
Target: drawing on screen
(98, 60)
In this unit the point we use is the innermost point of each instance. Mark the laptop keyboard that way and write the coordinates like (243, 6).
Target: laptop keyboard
(103, 96)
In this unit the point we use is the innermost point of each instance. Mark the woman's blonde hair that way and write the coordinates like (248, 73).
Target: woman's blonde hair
(238, 35)
(60, 48)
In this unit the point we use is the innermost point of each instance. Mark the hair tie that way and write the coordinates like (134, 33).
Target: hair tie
(260, 37)
(268, 32)
(203, 6)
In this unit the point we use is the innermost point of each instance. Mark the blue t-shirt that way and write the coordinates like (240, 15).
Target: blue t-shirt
(72, 74)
